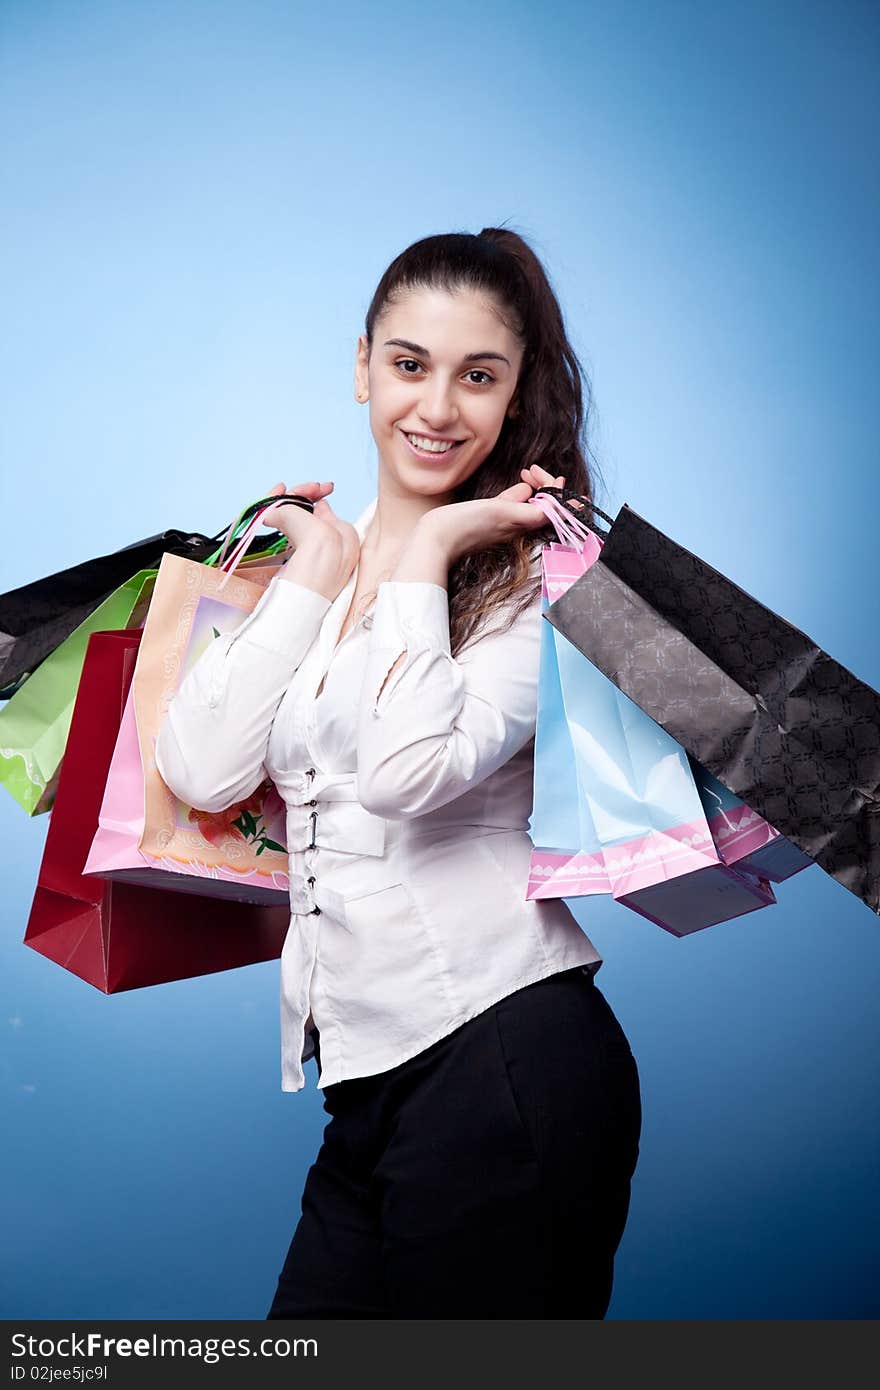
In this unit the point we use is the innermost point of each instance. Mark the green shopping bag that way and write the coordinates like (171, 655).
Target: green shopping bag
(35, 722)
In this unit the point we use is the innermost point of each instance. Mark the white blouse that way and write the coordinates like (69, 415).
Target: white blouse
(407, 811)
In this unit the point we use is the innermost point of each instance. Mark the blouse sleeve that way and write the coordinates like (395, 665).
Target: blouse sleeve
(440, 725)
(212, 743)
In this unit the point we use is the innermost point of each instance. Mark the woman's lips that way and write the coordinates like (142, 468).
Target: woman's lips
(430, 455)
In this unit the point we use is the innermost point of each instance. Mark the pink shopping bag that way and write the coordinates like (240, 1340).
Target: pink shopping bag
(211, 854)
(145, 834)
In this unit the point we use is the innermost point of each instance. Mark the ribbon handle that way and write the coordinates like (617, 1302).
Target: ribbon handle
(253, 517)
(571, 529)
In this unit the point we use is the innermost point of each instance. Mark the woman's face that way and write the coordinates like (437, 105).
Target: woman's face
(443, 368)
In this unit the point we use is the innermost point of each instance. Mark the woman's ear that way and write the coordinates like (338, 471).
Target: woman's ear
(361, 370)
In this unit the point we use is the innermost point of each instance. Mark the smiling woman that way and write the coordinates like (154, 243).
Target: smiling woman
(464, 341)
(484, 1102)
(443, 409)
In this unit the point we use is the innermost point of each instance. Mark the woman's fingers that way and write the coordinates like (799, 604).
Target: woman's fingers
(281, 518)
(303, 489)
(538, 477)
(314, 492)
(312, 489)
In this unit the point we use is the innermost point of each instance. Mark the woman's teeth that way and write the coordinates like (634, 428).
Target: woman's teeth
(431, 446)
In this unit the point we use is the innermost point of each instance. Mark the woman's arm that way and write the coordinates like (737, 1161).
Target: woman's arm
(212, 743)
(430, 726)
(423, 564)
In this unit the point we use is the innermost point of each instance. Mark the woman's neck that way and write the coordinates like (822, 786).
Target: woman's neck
(393, 523)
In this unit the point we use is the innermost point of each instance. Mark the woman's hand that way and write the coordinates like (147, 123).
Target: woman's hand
(326, 548)
(460, 527)
(302, 527)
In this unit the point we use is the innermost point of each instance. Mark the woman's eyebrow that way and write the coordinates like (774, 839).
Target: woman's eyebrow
(423, 352)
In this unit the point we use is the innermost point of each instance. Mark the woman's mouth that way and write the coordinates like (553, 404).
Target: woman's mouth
(430, 449)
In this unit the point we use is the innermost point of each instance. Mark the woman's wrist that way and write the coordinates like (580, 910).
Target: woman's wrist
(317, 566)
(424, 559)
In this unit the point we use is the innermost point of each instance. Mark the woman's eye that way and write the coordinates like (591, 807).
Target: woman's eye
(405, 362)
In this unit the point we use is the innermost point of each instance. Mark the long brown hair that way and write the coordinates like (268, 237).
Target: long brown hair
(553, 399)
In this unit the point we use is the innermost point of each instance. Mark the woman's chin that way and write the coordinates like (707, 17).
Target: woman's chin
(423, 480)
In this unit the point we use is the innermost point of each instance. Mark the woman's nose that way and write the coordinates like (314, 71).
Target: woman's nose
(437, 407)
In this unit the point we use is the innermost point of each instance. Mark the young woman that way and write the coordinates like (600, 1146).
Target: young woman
(484, 1101)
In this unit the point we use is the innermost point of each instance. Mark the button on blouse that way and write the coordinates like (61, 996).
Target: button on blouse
(407, 808)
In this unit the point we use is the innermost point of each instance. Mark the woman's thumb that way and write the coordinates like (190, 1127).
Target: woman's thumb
(519, 492)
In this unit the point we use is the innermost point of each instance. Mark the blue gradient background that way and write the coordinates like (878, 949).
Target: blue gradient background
(197, 202)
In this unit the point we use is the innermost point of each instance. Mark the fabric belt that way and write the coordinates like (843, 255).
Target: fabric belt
(323, 812)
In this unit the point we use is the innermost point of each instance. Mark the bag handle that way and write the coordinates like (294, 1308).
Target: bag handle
(243, 520)
(229, 562)
(571, 526)
(270, 547)
(256, 512)
(564, 496)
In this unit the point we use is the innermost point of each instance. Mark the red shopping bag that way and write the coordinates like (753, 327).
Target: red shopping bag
(120, 936)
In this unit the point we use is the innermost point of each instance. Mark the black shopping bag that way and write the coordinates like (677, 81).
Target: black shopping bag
(776, 719)
(36, 618)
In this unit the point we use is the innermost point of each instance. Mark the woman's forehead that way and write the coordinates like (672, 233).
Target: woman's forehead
(445, 315)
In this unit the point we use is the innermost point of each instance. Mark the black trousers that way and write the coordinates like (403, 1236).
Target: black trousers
(486, 1177)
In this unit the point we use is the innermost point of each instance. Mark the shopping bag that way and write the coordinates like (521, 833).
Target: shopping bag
(37, 617)
(742, 837)
(145, 833)
(752, 698)
(35, 723)
(120, 936)
(616, 808)
(208, 853)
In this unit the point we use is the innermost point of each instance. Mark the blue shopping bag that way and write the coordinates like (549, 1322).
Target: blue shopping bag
(616, 807)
